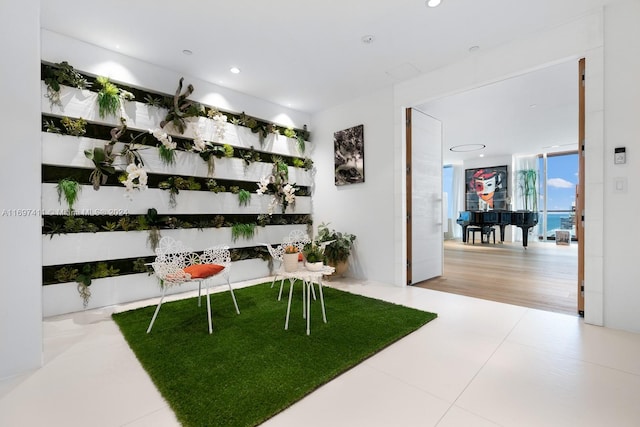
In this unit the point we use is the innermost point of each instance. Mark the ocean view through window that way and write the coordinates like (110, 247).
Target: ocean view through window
(558, 181)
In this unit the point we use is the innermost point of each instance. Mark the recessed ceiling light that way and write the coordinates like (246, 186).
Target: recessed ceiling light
(234, 70)
(474, 48)
(368, 39)
(467, 147)
(533, 105)
(187, 52)
(433, 3)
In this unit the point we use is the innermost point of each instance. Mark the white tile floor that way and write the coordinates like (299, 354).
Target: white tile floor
(480, 364)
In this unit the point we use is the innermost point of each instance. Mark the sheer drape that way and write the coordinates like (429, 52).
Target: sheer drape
(457, 198)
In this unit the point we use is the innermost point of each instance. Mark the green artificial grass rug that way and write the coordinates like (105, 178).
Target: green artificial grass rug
(250, 368)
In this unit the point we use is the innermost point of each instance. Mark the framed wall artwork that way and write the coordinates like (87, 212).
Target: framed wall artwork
(348, 145)
(486, 189)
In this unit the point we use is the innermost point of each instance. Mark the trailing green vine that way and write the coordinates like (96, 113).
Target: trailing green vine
(69, 189)
(244, 197)
(108, 97)
(245, 231)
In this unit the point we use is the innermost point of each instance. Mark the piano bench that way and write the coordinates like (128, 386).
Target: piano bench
(472, 231)
(488, 231)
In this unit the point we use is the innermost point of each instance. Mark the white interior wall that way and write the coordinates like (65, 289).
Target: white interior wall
(621, 129)
(364, 209)
(20, 239)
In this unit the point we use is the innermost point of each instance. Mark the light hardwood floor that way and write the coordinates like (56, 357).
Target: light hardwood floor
(544, 276)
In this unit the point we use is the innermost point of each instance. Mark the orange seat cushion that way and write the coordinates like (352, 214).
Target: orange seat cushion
(201, 271)
(300, 257)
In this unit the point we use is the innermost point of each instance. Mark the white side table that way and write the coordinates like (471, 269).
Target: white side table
(308, 278)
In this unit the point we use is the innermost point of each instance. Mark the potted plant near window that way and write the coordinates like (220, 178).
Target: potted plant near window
(338, 250)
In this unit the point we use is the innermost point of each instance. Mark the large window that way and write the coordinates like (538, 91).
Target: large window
(558, 181)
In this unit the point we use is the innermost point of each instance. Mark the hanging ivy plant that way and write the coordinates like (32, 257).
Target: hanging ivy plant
(244, 197)
(245, 231)
(69, 189)
(108, 97)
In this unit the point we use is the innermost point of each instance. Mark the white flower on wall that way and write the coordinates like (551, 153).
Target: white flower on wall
(199, 144)
(136, 179)
(284, 194)
(164, 138)
(219, 125)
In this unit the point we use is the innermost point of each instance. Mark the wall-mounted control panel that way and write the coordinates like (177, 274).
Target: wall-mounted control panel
(620, 155)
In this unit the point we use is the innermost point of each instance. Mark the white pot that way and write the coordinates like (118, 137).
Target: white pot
(315, 266)
(290, 262)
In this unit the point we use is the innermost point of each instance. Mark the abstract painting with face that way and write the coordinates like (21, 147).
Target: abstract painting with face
(486, 188)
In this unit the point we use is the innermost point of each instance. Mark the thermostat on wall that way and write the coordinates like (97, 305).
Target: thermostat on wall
(620, 155)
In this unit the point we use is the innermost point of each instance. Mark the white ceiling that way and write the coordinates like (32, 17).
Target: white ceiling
(531, 114)
(309, 55)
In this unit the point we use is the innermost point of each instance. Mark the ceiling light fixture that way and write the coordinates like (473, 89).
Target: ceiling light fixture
(368, 39)
(235, 70)
(433, 3)
(467, 147)
(474, 48)
(187, 51)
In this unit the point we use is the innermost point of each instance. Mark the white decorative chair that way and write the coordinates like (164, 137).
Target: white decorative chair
(176, 264)
(297, 238)
(277, 255)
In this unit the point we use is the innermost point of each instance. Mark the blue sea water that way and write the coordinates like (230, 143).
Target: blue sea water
(554, 222)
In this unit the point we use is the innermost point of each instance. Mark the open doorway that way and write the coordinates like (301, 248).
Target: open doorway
(534, 114)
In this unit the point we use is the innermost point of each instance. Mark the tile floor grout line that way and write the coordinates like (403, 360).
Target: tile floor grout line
(482, 367)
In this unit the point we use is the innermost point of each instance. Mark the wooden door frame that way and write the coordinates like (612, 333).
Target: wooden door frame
(409, 195)
(580, 191)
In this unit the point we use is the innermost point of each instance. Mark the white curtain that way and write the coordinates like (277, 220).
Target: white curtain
(457, 198)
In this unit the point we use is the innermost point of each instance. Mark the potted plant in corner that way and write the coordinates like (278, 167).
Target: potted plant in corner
(338, 248)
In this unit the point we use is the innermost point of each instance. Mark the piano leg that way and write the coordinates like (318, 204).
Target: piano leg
(525, 236)
(464, 233)
(502, 227)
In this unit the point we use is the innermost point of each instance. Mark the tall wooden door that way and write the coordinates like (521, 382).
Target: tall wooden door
(580, 188)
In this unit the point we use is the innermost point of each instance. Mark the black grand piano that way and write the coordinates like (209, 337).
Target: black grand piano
(523, 219)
